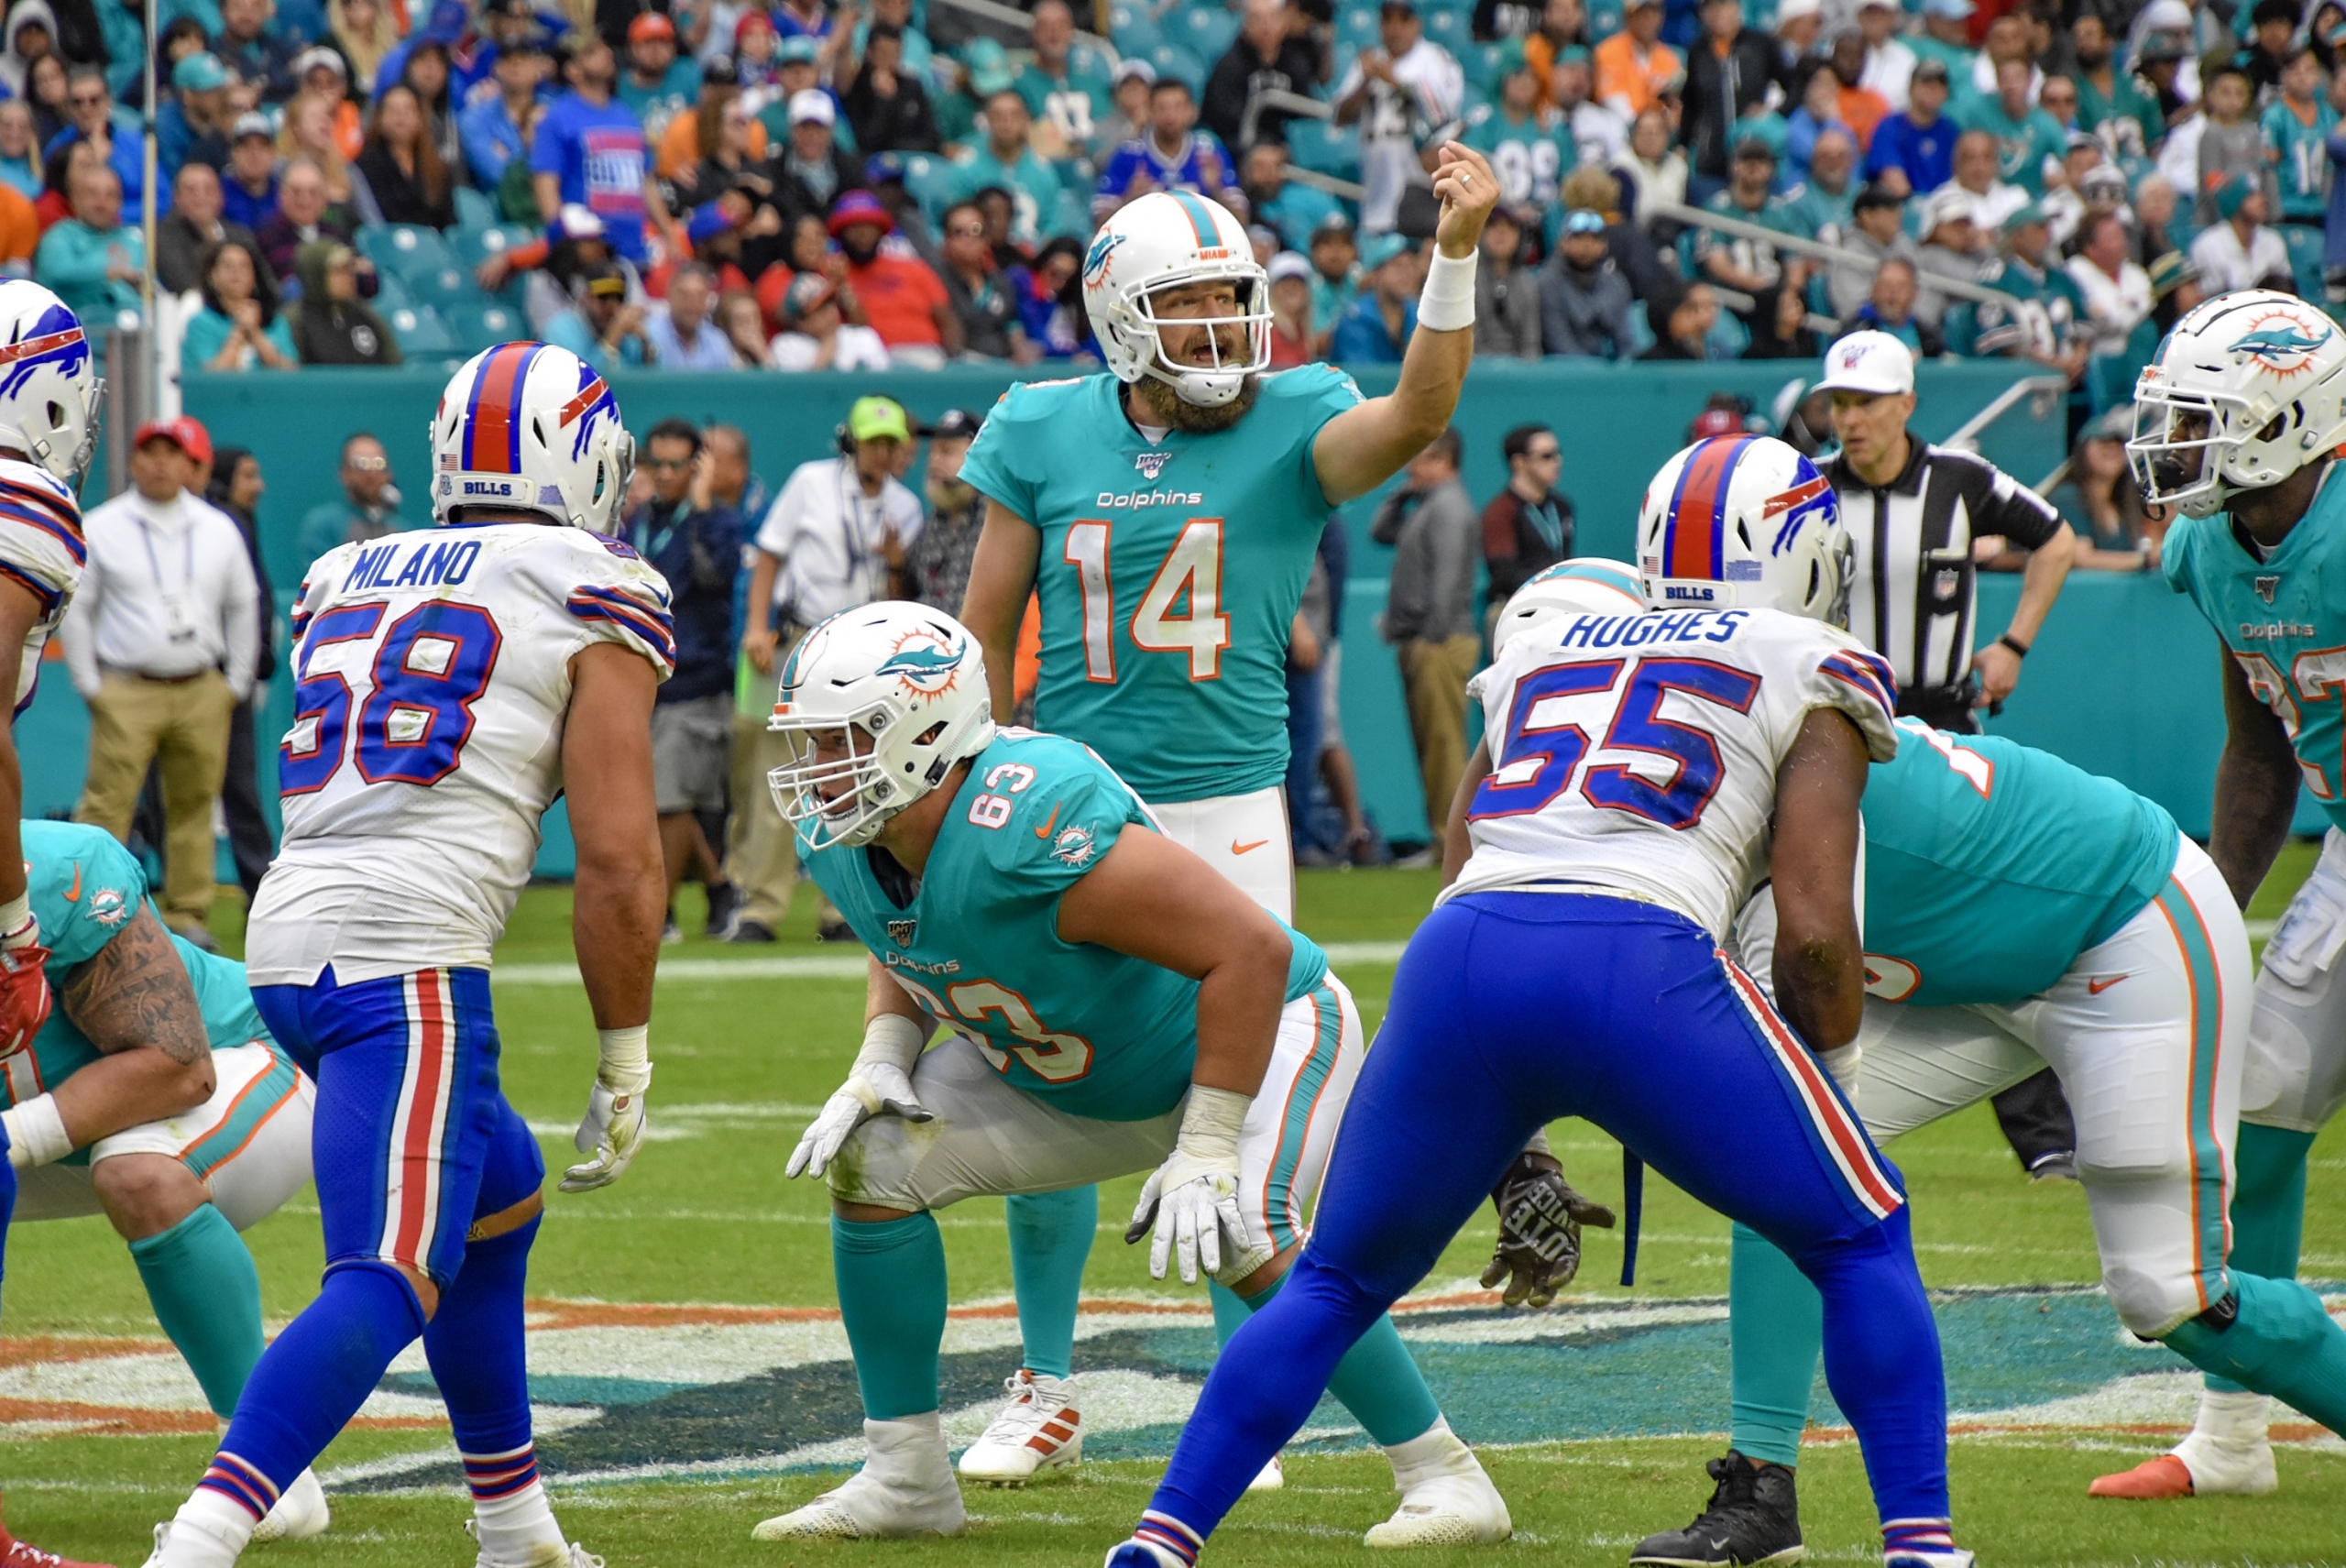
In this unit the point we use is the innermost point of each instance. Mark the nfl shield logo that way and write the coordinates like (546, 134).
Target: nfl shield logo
(1151, 464)
(901, 932)
(2266, 587)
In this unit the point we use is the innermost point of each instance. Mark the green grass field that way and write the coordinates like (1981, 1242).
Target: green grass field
(1593, 1423)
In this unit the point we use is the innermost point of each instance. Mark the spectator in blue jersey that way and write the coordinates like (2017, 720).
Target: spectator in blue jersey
(194, 123)
(92, 116)
(246, 45)
(493, 128)
(1376, 327)
(1914, 151)
(248, 182)
(1173, 156)
(680, 329)
(591, 150)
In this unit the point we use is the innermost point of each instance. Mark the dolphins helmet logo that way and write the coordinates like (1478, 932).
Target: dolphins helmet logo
(1095, 261)
(925, 663)
(56, 339)
(2283, 341)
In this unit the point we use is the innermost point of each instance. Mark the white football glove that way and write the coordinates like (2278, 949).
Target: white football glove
(612, 1129)
(877, 1086)
(1190, 1202)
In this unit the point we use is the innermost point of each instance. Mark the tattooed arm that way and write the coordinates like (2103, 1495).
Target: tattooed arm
(134, 1002)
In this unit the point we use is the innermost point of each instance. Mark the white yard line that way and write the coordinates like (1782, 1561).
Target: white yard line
(845, 966)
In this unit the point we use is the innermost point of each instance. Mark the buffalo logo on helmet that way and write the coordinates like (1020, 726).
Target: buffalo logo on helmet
(2284, 340)
(925, 663)
(1803, 501)
(1074, 846)
(593, 402)
(56, 339)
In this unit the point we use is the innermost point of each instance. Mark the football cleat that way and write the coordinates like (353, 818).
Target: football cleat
(300, 1513)
(571, 1556)
(2197, 1466)
(1039, 1430)
(904, 1490)
(1753, 1517)
(1142, 1554)
(1911, 1557)
(1446, 1500)
(1270, 1477)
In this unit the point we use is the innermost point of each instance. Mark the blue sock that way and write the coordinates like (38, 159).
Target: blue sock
(1776, 1330)
(1050, 1240)
(2281, 1343)
(892, 1296)
(7, 1198)
(2268, 1209)
(312, 1380)
(475, 1346)
(1376, 1380)
(206, 1295)
(1881, 1360)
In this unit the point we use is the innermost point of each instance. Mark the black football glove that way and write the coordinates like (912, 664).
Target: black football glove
(1540, 1220)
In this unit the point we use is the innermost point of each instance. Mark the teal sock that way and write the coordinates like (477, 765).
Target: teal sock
(1229, 1311)
(1376, 1380)
(1776, 1330)
(892, 1296)
(2282, 1344)
(1050, 1238)
(206, 1295)
(2268, 1208)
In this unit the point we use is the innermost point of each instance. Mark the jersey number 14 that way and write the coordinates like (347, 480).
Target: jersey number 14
(1180, 612)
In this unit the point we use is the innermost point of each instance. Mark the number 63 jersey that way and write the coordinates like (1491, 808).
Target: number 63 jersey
(434, 673)
(1637, 754)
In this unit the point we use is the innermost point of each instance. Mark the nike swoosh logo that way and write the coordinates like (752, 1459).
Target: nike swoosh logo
(2096, 987)
(1044, 830)
(74, 894)
(1238, 848)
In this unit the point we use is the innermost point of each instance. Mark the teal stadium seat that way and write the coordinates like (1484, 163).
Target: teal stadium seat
(478, 327)
(472, 246)
(405, 249)
(1325, 147)
(392, 291)
(1202, 28)
(1481, 64)
(1605, 18)
(423, 334)
(931, 180)
(449, 285)
(1355, 30)
(475, 210)
(1173, 61)
(1453, 30)
(1133, 30)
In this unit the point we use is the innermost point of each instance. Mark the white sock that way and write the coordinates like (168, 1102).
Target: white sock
(1434, 1452)
(2236, 1419)
(908, 1452)
(519, 1527)
(209, 1531)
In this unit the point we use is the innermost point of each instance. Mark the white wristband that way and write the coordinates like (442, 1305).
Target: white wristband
(18, 927)
(1447, 303)
(892, 1039)
(36, 1134)
(1211, 1121)
(627, 1062)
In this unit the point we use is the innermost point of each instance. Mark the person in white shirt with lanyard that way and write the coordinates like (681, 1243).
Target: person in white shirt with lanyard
(161, 642)
(835, 538)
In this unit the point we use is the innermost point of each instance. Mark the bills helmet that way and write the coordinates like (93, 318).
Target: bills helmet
(877, 704)
(1165, 240)
(1586, 584)
(2247, 389)
(49, 387)
(532, 427)
(1744, 523)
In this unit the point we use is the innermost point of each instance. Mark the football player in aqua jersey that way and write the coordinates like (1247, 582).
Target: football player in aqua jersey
(1641, 772)
(451, 683)
(1117, 1006)
(154, 1095)
(2237, 425)
(2020, 913)
(1165, 513)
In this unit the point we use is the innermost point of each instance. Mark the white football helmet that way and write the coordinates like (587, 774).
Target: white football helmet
(531, 426)
(1586, 584)
(2247, 389)
(50, 387)
(897, 694)
(1744, 523)
(1164, 240)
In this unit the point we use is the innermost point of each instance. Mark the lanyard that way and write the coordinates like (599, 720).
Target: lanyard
(650, 548)
(187, 576)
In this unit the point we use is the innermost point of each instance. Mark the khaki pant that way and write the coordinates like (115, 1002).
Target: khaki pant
(1433, 676)
(760, 851)
(182, 726)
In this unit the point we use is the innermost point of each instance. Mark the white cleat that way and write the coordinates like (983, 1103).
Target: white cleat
(1039, 1430)
(300, 1513)
(163, 1536)
(904, 1490)
(1446, 1500)
(2234, 1467)
(1949, 1557)
(545, 1555)
(1270, 1479)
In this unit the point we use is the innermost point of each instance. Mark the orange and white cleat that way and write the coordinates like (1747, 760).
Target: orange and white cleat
(2227, 1451)
(15, 1554)
(2153, 1480)
(1039, 1430)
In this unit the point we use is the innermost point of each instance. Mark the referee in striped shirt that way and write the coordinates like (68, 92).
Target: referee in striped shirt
(1913, 511)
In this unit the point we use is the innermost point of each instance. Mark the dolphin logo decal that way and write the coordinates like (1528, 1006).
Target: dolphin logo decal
(920, 660)
(2273, 344)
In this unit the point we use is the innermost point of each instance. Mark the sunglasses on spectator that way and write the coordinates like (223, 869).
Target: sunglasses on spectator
(667, 462)
(1544, 454)
(370, 464)
(968, 231)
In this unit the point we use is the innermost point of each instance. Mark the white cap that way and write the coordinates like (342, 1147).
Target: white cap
(1871, 362)
(812, 104)
(1793, 10)
(1950, 204)
(1289, 264)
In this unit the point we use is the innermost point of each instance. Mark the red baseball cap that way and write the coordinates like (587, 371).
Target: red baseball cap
(186, 432)
(651, 24)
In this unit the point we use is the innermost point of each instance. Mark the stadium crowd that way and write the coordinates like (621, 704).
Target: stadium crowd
(711, 185)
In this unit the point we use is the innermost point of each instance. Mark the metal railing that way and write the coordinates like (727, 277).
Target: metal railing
(2040, 391)
(1011, 17)
(1304, 108)
(1696, 217)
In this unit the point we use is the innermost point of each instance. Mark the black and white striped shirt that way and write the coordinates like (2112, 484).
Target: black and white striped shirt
(1912, 599)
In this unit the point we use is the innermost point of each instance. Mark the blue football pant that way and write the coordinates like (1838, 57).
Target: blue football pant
(1510, 1011)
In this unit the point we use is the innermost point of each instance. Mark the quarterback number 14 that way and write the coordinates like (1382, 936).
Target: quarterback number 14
(1181, 611)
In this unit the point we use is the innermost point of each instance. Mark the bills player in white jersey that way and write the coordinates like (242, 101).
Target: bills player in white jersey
(1640, 774)
(451, 682)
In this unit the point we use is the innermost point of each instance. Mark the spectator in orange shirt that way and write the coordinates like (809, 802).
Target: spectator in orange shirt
(903, 299)
(1862, 109)
(1563, 25)
(1633, 65)
(19, 232)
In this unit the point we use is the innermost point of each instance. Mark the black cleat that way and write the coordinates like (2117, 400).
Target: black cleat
(1753, 1517)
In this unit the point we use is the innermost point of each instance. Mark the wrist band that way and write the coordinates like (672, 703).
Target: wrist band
(17, 917)
(894, 1039)
(2019, 649)
(626, 1054)
(36, 1134)
(1447, 302)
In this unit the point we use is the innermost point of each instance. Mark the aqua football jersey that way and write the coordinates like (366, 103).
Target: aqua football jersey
(1990, 867)
(85, 887)
(1097, 1032)
(2285, 620)
(1170, 571)
(2303, 170)
(1530, 156)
